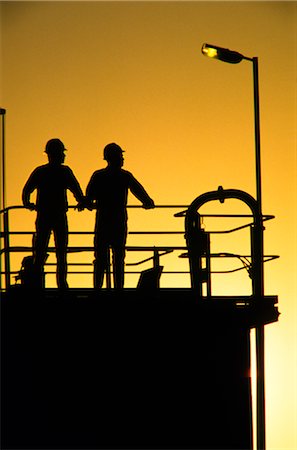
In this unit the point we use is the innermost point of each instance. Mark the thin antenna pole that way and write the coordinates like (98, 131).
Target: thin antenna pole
(2, 187)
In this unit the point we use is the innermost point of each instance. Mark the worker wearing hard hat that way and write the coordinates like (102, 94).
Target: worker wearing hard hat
(51, 181)
(108, 190)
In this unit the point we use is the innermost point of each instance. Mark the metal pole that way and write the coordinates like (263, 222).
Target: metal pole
(257, 133)
(2, 199)
(260, 349)
(156, 259)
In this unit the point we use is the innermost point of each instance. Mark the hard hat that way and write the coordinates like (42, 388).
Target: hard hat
(111, 150)
(54, 146)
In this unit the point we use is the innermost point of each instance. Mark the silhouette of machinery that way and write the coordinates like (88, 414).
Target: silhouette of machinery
(198, 241)
(149, 367)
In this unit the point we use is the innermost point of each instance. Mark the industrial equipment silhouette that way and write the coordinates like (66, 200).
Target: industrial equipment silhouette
(143, 367)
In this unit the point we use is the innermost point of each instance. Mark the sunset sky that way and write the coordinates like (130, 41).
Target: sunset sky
(133, 73)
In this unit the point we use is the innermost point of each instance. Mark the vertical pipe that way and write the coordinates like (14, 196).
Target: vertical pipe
(260, 355)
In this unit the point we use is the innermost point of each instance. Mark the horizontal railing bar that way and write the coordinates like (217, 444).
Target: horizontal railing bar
(20, 233)
(92, 232)
(70, 264)
(159, 206)
(126, 273)
(265, 218)
(167, 272)
(75, 249)
(22, 249)
(135, 232)
(8, 208)
(76, 272)
(32, 232)
(268, 217)
(156, 232)
(47, 272)
(266, 259)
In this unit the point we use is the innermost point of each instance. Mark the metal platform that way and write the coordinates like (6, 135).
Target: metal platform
(129, 369)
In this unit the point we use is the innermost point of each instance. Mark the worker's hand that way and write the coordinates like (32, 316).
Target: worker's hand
(30, 206)
(149, 205)
(90, 205)
(80, 206)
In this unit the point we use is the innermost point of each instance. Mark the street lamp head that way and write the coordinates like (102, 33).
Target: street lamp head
(223, 54)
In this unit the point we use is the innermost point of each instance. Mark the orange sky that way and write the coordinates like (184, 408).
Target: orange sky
(133, 73)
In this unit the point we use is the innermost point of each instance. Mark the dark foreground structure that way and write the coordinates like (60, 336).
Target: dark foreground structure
(142, 368)
(127, 370)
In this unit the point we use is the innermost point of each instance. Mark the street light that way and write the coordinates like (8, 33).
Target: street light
(232, 57)
(212, 51)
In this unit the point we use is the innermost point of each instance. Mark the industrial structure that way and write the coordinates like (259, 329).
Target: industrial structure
(147, 366)
(144, 367)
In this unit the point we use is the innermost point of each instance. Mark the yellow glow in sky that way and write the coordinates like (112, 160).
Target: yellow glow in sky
(93, 72)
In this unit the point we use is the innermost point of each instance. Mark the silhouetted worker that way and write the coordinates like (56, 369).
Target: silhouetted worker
(51, 182)
(109, 189)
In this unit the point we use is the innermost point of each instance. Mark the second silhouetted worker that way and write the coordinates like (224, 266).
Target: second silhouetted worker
(108, 188)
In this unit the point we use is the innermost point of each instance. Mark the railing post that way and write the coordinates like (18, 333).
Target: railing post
(207, 265)
(157, 263)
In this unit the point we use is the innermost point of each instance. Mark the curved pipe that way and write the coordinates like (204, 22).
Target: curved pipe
(222, 194)
(193, 231)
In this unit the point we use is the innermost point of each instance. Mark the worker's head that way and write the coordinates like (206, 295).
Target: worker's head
(113, 154)
(55, 151)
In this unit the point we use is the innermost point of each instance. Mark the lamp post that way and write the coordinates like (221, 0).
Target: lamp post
(233, 57)
(3, 199)
(229, 56)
